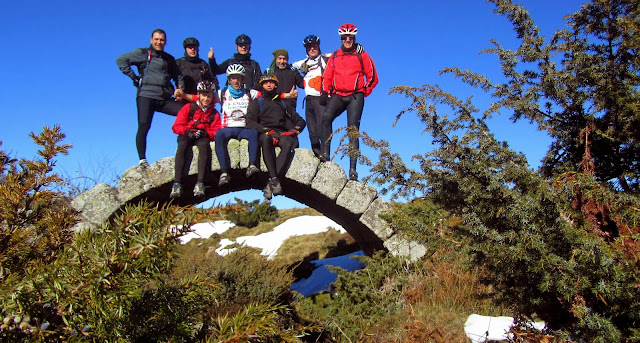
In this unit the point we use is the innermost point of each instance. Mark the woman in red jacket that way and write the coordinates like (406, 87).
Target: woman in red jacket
(196, 124)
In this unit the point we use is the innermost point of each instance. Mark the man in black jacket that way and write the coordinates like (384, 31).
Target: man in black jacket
(156, 68)
(243, 57)
(288, 78)
(279, 125)
(193, 68)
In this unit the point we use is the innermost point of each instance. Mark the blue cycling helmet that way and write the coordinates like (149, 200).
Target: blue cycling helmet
(310, 39)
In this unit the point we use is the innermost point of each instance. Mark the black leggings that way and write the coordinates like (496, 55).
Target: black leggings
(313, 116)
(354, 105)
(146, 108)
(276, 166)
(184, 146)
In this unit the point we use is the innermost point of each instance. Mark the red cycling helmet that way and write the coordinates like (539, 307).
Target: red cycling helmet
(348, 29)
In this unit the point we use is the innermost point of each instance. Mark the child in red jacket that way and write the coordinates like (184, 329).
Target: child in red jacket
(196, 124)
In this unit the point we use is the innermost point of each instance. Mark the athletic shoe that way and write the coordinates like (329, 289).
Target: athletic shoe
(252, 170)
(268, 190)
(224, 179)
(198, 190)
(143, 163)
(176, 191)
(353, 174)
(275, 184)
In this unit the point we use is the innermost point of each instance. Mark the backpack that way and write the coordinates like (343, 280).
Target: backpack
(261, 103)
(333, 61)
(324, 59)
(192, 111)
(142, 68)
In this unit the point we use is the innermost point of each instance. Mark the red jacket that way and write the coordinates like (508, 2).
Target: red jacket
(345, 75)
(200, 120)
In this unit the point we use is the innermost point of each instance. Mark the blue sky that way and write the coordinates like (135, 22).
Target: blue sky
(59, 66)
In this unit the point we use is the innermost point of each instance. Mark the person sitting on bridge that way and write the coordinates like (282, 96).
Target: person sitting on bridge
(235, 100)
(196, 124)
(279, 125)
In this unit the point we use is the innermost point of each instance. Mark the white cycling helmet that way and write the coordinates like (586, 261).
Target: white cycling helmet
(235, 69)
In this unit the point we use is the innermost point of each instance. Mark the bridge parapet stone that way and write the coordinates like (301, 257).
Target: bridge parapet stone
(329, 180)
(97, 204)
(371, 218)
(304, 167)
(356, 197)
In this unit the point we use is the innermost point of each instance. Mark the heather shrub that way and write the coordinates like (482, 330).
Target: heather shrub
(252, 213)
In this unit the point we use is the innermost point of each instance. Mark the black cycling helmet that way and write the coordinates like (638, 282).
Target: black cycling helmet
(310, 39)
(190, 42)
(243, 39)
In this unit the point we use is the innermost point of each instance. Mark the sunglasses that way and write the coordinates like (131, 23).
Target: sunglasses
(348, 37)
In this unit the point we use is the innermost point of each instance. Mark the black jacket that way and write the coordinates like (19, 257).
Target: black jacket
(251, 67)
(288, 78)
(273, 116)
(193, 71)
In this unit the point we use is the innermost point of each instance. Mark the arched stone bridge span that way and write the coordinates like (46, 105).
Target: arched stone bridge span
(322, 186)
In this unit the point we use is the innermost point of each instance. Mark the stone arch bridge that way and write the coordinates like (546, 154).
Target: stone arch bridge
(322, 186)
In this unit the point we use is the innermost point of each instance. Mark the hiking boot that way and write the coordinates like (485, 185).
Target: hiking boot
(268, 190)
(176, 190)
(316, 149)
(143, 163)
(198, 190)
(252, 170)
(353, 174)
(275, 186)
(224, 179)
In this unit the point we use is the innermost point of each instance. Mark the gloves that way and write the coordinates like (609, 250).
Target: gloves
(136, 81)
(359, 48)
(193, 134)
(202, 133)
(324, 98)
(292, 132)
(275, 136)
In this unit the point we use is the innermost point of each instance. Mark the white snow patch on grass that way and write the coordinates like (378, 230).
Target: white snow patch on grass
(271, 241)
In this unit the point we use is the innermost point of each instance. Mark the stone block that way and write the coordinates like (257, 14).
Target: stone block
(329, 180)
(134, 182)
(243, 156)
(303, 166)
(234, 153)
(356, 197)
(215, 164)
(371, 219)
(398, 246)
(97, 204)
(162, 171)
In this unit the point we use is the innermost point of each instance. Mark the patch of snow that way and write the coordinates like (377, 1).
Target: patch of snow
(271, 241)
(480, 329)
(205, 230)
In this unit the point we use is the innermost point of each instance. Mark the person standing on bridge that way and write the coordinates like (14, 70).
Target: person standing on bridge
(279, 125)
(156, 68)
(243, 57)
(349, 78)
(196, 124)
